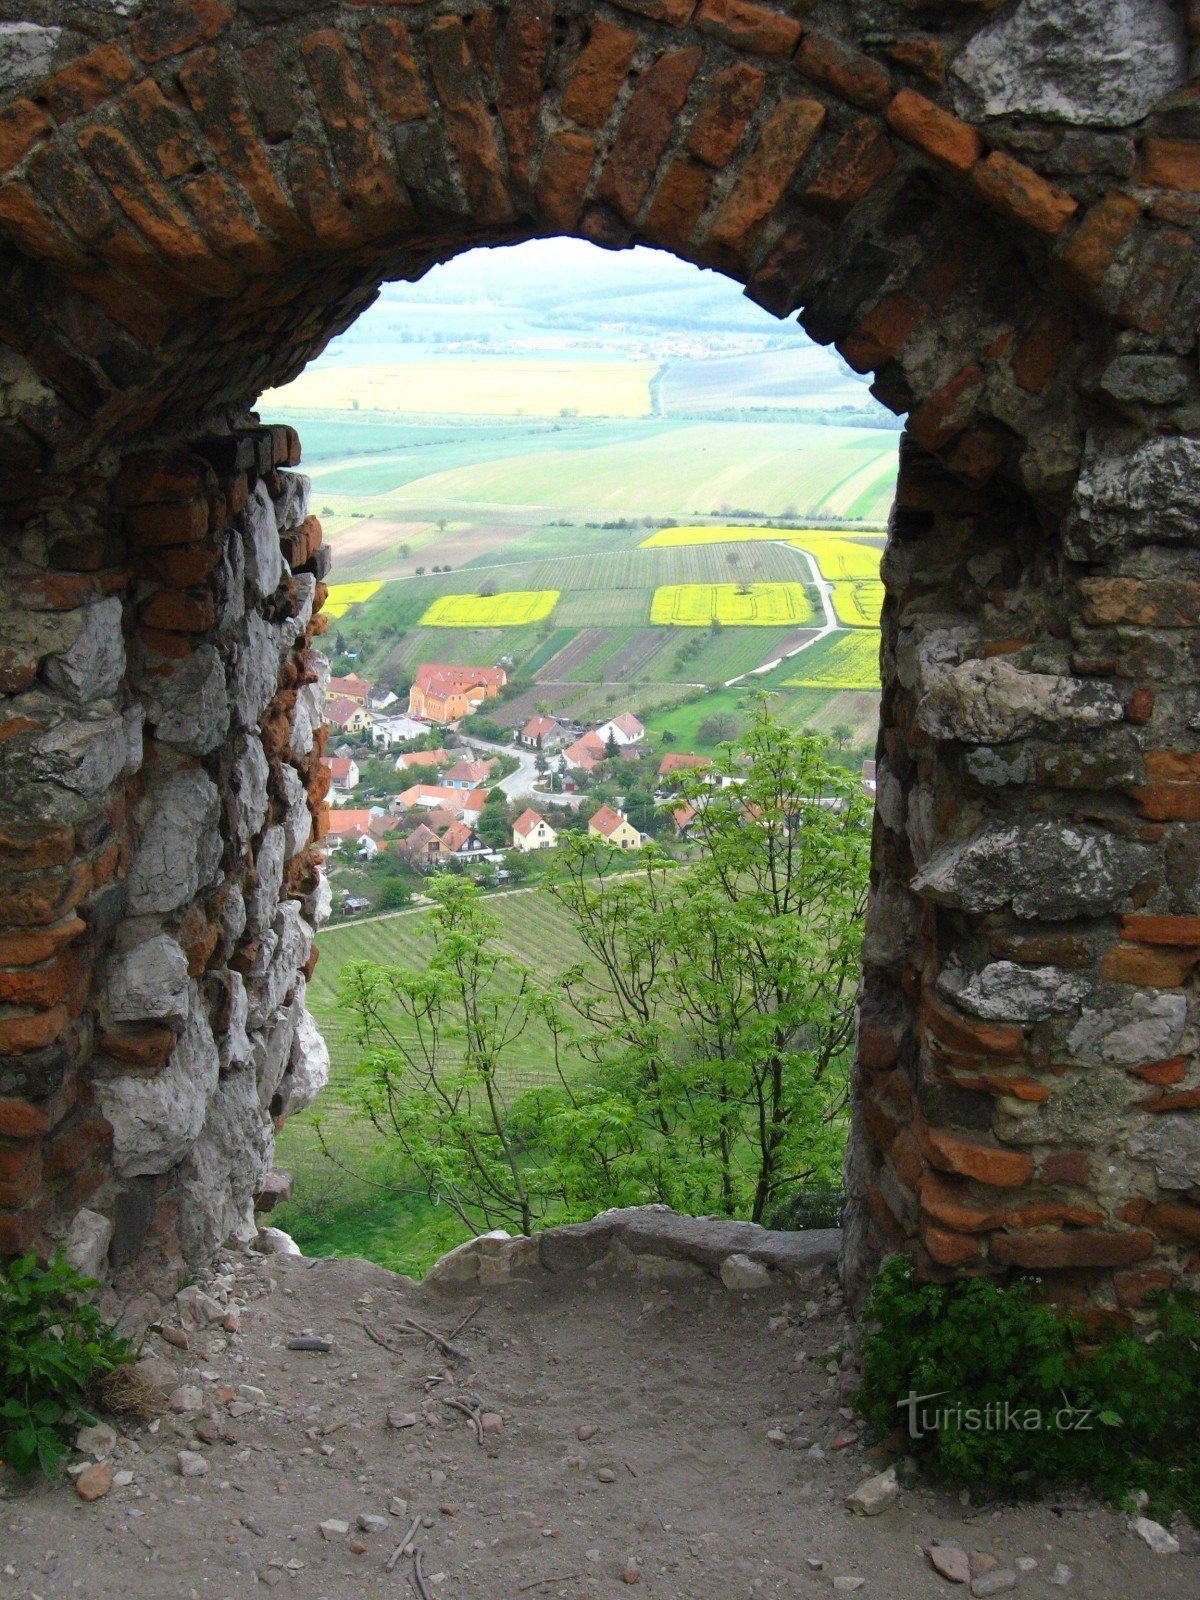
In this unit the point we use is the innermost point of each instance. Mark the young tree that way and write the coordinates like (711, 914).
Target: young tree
(611, 747)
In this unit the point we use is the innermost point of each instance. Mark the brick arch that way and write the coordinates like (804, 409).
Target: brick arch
(194, 200)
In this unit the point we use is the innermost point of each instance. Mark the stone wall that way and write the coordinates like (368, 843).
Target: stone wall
(161, 787)
(990, 206)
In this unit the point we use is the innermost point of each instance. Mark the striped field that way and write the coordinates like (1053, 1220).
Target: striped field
(733, 605)
(515, 608)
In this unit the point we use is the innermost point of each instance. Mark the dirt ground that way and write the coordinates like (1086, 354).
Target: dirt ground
(654, 1434)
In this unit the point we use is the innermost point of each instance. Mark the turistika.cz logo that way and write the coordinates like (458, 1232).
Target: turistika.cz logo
(997, 1416)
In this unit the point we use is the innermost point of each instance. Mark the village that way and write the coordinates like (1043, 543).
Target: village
(413, 790)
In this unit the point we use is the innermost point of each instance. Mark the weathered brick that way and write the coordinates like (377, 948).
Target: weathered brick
(882, 333)
(21, 1033)
(1022, 195)
(176, 26)
(1155, 275)
(733, 97)
(952, 1206)
(949, 1249)
(87, 82)
(747, 26)
(954, 145)
(677, 206)
(223, 225)
(1163, 1073)
(1169, 164)
(367, 182)
(782, 144)
(948, 410)
(991, 1164)
(43, 985)
(861, 157)
(645, 130)
(27, 946)
(75, 1143)
(1038, 353)
(145, 1048)
(31, 900)
(1176, 1100)
(598, 74)
(150, 527)
(520, 73)
(1136, 1289)
(160, 129)
(21, 125)
(562, 179)
(182, 566)
(19, 1230)
(846, 72)
(395, 81)
(1174, 1219)
(269, 72)
(468, 121)
(1066, 1166)
(1163, 801)
(924, 57)
(1085, 255)
(1085, 1248)
(1153, 965)
(26, 846)
(180, 611)
(1157, 928)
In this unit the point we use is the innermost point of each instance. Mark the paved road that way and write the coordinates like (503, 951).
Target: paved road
(519, 785)
(831, 624)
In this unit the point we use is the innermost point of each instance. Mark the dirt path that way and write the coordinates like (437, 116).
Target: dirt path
(652, 1429)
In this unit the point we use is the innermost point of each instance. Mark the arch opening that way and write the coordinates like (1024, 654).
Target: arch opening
(181, 230)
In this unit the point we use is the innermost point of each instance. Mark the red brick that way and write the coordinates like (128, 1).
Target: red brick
(35, 899)
(19, 1231)
(954, 145)
(1039, 352)
(1158, 928)
(521, 73)
(949, 1206)
(1140, 707)
(947, 411)
(154, 526)
(645, 130)
(949, 1249)
(1082, 259)
(678, 204)
(161, 130)
(27, 947)
(269, 72)
(1145, 602)
(145, 1048)
(43, 985)
(18, 1158)
(395, 80)
(1173, 1070)
(222, 113)
(176, 26)
(1152, 965)
(466, 116)
(1174, 1219)
(882, 1214)
(180, 611)
(747, 26)
(182, 566)
(1086, 1248)
(598, 74)
(26, 846)
(1179, 1100)
(563, 178)
(783, 142)
(1170, 164)
(961, 1033)
(74, 1144)
(845, 72)
(924, 57)
(676, 12)
(907, 1159)
(1022, 195)
(732, 99)
(990, 1164)
(861, 157)
(19, 1034)
(87, 82)
(1153, 279)
(366, 181)
(882, 333)
(1167, 802)
(21, 125)
(1134, 1289)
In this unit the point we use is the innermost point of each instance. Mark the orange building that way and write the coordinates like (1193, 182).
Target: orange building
(444, 694)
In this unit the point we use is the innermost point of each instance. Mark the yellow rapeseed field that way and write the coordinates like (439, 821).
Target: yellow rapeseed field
(511, 610)
(836, 556)
(344, 595)
(840, 661)
(479, 385)
(858, 605)
(735, 605)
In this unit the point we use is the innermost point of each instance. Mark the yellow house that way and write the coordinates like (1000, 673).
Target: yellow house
(531, 832)
(615, 829)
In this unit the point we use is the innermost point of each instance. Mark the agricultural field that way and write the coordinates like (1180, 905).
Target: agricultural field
(512, 608)
(839, 661)
(754, 605)
(836, 556)
(480, 385)
(858, 605)
(344, 595)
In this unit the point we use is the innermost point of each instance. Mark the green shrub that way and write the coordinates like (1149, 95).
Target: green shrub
(54, 1348)
(815, 1207)
(1023, 1403)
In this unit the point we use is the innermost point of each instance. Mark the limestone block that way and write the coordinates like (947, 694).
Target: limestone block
(26, 51)
(156, 1121)
(188, 707)
(62, 773)
(148, 982)
(249, 781)
(989, 702)
(1004, 991)
(310, 706)
(255, 670)
(308, 1067)
(1149, 1026)
(133, 721)
(740, 1273)
(1170, 1141)
(263, 901)
(260, 541)
(233, 1045)
(1099, 63)
(93, 666)
(180, 847)
(224, 1168)
(297, 824)
(1045, 868)
(229, 585)
(291, 503)
(1126, 498)
(284, 951)
(272, 1047)
(87, 1242)
(233, 913)
(893, 928)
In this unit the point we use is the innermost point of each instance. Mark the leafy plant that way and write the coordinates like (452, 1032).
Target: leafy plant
(55, 1347)
(1016, 1401)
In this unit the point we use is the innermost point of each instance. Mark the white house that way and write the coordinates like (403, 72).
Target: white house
(398, 729)
(622, 730)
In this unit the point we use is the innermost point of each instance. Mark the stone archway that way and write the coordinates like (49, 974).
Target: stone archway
(989, 208)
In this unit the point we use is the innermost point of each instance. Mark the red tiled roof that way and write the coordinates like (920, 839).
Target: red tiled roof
(527, 821)
(467, 772)
(537, 727)
(606, 821)
(340, 710)
(676, 761)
